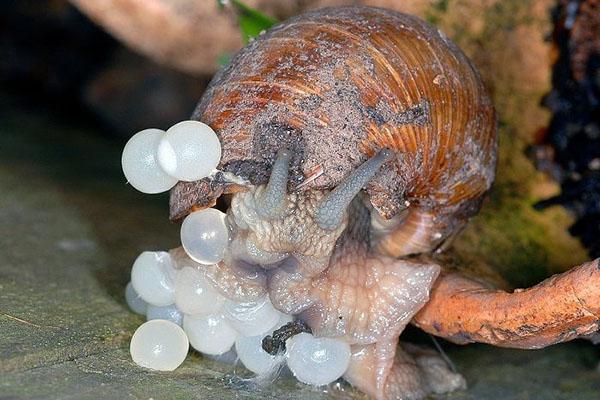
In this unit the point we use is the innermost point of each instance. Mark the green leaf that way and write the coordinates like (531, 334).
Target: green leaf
(251, 21)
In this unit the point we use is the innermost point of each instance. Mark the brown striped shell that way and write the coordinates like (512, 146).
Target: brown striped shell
(337, 84)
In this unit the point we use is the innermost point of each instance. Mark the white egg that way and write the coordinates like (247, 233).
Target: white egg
(134, 300)
(152, 278)
(159, 344)
(254, 358)
(140, 163)
(170, 313)
(194, 294)
(251, 318)
(252, 355)
(204, 236)
(189, 151)
(209, 333)
(317, 361)
(229, 357)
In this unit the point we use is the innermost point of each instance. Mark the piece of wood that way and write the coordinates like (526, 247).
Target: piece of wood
(559, 309)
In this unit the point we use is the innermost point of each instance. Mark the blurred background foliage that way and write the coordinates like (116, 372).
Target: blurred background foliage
(251, 22)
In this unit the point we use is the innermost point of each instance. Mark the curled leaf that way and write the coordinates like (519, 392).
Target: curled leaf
(251, 21)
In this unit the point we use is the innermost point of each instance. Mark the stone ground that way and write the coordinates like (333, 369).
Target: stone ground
(70, 229)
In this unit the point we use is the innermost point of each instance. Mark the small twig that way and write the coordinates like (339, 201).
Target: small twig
(27, 322)
(443, 354)
(275, 344)
(313, 174)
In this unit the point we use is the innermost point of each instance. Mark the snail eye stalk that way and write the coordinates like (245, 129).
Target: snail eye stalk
(272, 201)
(331, 210)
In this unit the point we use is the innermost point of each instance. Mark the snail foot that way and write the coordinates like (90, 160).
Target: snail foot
(387, 371)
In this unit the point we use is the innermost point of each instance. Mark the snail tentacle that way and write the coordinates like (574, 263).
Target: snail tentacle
(272, 201)
(331, 209)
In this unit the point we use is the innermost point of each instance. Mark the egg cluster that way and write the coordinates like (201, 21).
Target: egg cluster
(182, 305)
(154, 161)
(205, 319)
(183, 308)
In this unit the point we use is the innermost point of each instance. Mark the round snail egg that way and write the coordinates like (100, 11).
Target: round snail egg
(189, 151)
(252, 355)
(134, 300)
(229, 357)
(251, 318)
(170, 313)
(151, 278)
(140, 164)
(317, 361)
(194, 294)
(209, 333)
(204, 236)
(159, 344)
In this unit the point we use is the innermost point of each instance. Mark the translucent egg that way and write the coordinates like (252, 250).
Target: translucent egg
(152, 278)
(194, 294)
(254, 358)
(170, 313)
(134, 300)
(252, 355)
(317, 361)
(140, 164)
(204, 236)
(251, 318)
(229, 357)
(209, 333)
(190, 150)
(159, 344)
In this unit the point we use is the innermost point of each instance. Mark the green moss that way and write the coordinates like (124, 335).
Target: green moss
(522, 244)
(438, 8)
(509, 237)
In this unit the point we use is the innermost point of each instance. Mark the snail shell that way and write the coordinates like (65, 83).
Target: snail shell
(335, 86)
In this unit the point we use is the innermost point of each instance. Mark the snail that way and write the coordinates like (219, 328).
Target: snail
(350, 138)
(336, 85)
